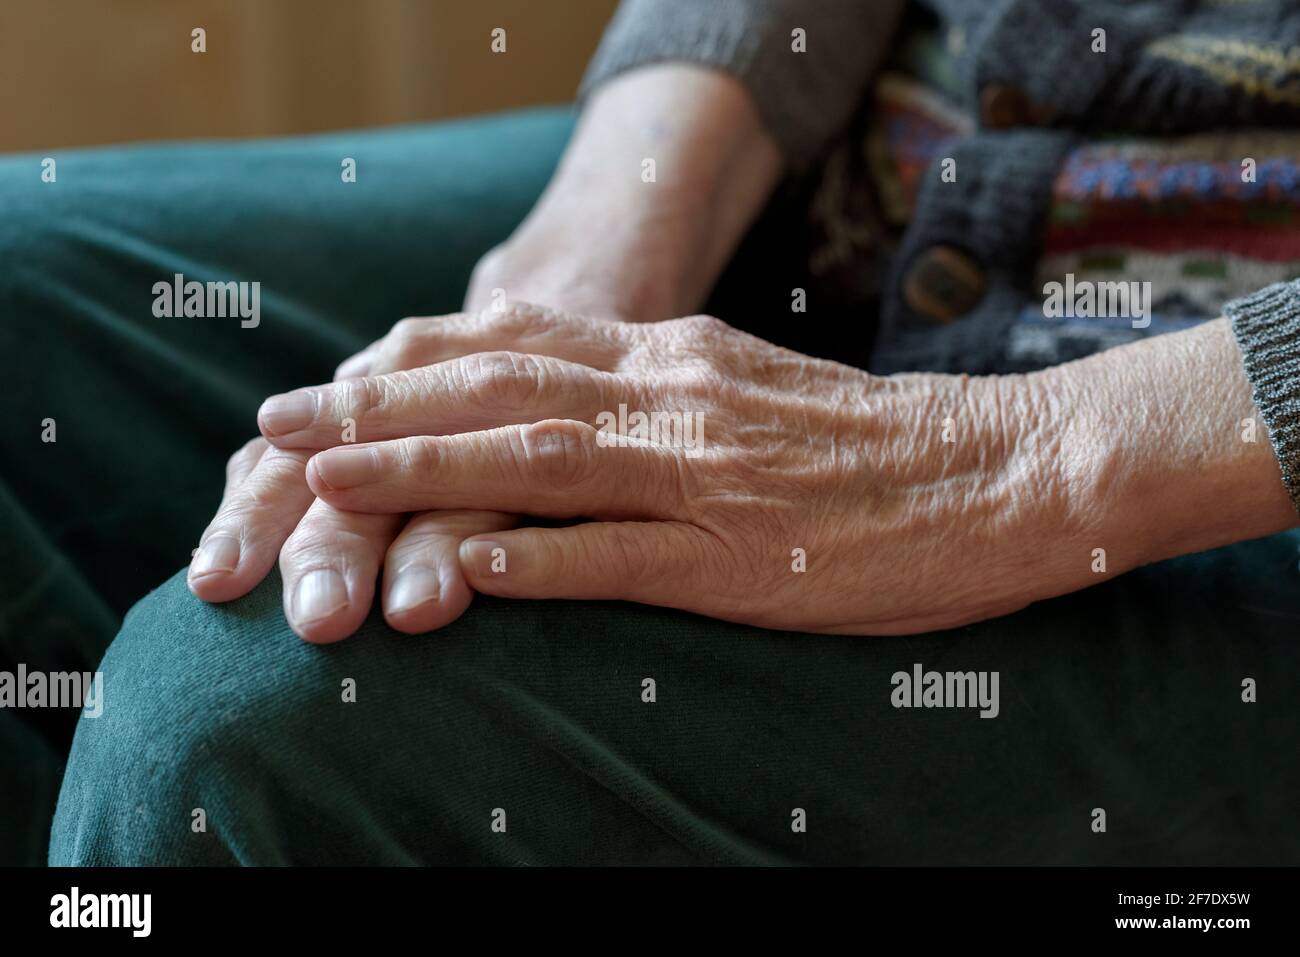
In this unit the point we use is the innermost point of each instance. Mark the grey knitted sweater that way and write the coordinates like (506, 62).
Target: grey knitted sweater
(1030, 73)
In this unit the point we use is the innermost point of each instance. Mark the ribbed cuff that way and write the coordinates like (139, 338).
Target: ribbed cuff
(1267, 327)
(802, 98)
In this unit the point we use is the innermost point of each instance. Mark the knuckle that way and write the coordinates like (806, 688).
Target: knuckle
(418, 455)
(703, 327)
(318, 544)
(505, 380)
(284, 466)
(694, 335)
(278, 473)
(633, 554)
(359, 399)
(245, 454)
(256, 498)
(522, 320)
(371, 353)
(405, 346)
(490, 265)
(559, 452)
(405, 328)
(710, 347)
(442, 529)
(406, 353)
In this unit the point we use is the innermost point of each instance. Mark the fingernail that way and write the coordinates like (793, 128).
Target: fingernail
(319, 594)
(415, 585)
(282, 414)
(344, 468)
(220, 553)
(483, 557)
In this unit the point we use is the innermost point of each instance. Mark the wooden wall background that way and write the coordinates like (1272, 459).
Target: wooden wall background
(83, 72)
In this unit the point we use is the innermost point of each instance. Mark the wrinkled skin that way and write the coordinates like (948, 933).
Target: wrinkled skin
(797, 453)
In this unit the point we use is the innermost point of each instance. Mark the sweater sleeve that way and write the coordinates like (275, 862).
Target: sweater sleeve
(1267, 328)
(804, 96)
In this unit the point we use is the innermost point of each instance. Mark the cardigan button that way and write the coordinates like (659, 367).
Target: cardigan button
(943, 283)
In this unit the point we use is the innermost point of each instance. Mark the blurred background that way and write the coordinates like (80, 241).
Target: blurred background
(85, 72)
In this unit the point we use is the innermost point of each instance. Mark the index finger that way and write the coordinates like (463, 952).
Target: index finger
(475, 392)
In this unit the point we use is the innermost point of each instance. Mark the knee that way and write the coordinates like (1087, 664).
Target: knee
(202, 709)
(223, 738)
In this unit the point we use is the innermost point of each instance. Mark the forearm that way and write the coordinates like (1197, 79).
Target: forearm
(647, 248)
(715, 167)
(718, 96)
(1160, 449)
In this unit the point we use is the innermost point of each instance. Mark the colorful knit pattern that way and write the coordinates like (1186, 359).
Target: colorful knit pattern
(1188, 214)
(1189, 193)
(1228, 193)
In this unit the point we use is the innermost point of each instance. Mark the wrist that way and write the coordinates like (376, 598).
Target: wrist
(1161, 449)
(626, 248)
(555, 262)
(1043, 492)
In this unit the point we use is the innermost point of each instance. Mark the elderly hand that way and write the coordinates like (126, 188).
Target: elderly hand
(599, 241)
(765, 487)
